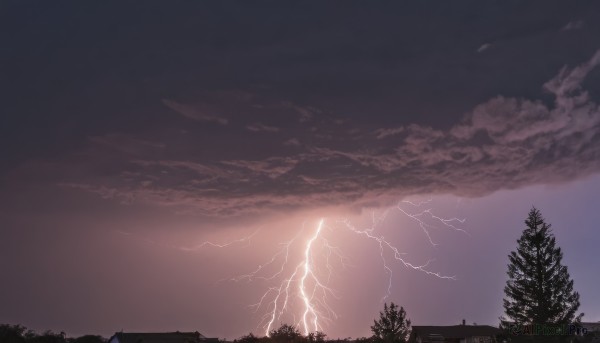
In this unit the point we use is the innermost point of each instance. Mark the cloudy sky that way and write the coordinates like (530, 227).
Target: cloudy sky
(160, 161)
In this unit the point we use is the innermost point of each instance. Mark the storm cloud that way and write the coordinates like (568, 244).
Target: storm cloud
(502, 143)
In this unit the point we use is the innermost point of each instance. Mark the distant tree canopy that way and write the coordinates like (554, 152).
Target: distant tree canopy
(316, 337)
(539, 289)
(12, 333)
(48, 337)
(249, 338)
(20, 334)
(285, 333)
(392, 326)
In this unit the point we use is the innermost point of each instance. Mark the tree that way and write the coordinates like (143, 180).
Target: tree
(539, 289)
(285, 333)
(316, 337)
(12, 333)
(249, 338)
(392, 326)
(47, 337)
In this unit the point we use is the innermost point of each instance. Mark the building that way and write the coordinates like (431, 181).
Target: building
(454, 334)
(591, 326)
(593, 330)
(161, 337)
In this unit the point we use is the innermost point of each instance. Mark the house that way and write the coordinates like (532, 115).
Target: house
(591, 326)
(161, 337)
(454, 334)
(593, 330)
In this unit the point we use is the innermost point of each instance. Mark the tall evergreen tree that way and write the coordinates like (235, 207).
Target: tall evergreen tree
(539, 289)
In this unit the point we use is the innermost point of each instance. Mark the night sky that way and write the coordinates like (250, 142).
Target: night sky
(134, 132)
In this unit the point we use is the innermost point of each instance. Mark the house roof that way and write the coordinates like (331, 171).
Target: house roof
(455, 331)
(162, 337)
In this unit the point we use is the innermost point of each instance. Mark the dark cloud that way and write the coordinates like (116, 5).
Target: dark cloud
(230, 108)
(503, 143)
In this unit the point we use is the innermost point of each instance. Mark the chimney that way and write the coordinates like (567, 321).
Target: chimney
(464, 322)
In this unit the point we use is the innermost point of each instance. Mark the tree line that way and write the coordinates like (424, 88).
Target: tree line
(392, 326)
(20, 334)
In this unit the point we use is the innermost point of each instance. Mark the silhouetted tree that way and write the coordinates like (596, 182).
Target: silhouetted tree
(392, 326)
(316, 337)
(12, 333)
(249, 338)
(539, 289)
(46, 337)
(20, 334)
(286, 333)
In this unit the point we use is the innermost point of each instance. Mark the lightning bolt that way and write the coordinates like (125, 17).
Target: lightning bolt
(194, 248)
(308, 307)
(304, 283)
(310, 289)
(218, 245)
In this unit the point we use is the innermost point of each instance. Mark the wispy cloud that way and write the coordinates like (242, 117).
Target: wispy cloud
(484, 47)
(573, 25)
(292, 142)
(127, 143)
(272, 167)
(305, 113)
(385, 132)
(259, 127)
(198, 113)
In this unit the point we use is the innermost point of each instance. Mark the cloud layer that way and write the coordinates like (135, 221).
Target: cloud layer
(503, 143)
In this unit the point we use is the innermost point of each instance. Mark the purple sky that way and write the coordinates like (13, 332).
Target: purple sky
(132, 134)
